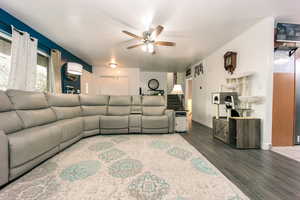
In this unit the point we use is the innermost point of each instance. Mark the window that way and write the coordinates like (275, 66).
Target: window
(5, 56)
(5, 52)
(42, 72)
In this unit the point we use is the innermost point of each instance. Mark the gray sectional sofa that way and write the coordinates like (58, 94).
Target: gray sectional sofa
(35, 126)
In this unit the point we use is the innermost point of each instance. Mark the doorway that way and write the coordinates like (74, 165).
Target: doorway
(188, 96)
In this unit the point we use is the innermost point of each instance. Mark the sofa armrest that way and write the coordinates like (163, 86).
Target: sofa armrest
(171, 116)
(4, 166)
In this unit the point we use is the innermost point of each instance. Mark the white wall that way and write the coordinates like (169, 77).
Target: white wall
(125, 80)
(87, 83)
(146, 76)
(255, 53)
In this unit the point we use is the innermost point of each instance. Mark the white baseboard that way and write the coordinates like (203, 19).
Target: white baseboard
(266, 146)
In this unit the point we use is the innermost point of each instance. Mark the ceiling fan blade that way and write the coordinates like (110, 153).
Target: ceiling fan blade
(163, 43)
(134, 46)
(133, 35)
(157, 31)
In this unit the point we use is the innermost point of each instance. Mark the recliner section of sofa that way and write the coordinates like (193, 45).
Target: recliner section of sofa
(117, 119)
(38, 139)
(155, 118)
(68, 111)
(35, 126)
(92, 107)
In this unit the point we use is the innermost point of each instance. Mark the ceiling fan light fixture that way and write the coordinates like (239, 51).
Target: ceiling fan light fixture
(144, 47)
(150, 47)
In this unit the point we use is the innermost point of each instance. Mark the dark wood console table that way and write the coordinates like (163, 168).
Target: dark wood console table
(239, 132)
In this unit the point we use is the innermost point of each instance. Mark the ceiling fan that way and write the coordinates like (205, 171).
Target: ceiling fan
(148, 40)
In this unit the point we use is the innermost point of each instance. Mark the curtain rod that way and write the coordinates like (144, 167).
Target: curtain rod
(22, 33)
(9, 26)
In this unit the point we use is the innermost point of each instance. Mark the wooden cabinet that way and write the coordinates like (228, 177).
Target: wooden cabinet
(239, 132)
(244, 133)
(221, 129)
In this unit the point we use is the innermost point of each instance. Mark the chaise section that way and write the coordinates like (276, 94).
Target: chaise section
(155, 119)
(117, 119)
(92, 108)
(68, 113)
(39, 136)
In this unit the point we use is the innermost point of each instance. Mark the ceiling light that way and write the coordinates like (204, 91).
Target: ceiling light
(150, 48)
(144, 47)
(113, 65)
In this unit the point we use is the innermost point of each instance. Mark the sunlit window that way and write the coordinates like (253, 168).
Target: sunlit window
(5, 59)
(42, 73)
(5, 52)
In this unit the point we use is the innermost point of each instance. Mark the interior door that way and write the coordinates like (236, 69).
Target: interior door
(297, 85)
(283, 100)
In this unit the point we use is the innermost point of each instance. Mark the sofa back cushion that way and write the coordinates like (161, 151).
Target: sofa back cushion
(9, 120)
(32, 107)
(65, 106)
(119, 105)
(93, 105)
(153, 105)
(136, 106)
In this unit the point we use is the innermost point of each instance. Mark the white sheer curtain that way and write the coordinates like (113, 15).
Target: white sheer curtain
(23, 61)
(51, 75)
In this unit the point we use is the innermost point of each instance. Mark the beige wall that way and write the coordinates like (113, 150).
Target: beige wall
(88, 83)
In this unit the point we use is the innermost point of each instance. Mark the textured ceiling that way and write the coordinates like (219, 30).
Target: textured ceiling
(92, 29)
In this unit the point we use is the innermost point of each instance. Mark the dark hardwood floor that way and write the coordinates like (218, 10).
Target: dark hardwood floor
(263, 175)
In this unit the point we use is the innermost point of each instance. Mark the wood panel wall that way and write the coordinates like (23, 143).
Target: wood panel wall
(283, 109)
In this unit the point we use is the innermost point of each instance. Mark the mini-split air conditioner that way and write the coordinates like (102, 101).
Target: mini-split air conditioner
(74, 68)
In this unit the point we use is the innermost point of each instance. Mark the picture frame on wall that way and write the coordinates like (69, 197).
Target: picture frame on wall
(199, 69)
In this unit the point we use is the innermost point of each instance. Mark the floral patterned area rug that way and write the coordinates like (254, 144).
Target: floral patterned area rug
(125, 167)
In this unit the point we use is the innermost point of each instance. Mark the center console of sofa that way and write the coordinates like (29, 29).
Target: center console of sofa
(35, 126)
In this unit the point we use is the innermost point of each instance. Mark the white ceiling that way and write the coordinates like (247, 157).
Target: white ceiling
(91, 29)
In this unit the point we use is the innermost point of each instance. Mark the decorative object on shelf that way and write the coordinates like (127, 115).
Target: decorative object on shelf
(199, 69)
(153, 84)
(230, 61)
(224, 98)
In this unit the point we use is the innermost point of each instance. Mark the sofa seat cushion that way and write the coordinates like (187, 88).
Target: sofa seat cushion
(114, 122)
(91, 123)
(71, 128)
(30, 143)
(155, 122)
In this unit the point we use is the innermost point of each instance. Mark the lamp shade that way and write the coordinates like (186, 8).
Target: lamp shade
(177, 89)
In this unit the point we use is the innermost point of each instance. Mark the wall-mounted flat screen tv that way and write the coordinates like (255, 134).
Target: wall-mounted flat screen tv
(288, 32)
